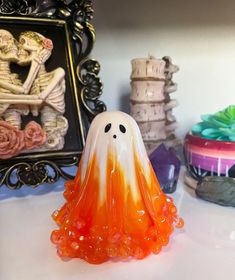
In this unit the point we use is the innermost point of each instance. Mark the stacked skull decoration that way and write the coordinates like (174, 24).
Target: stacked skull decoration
(41, 94)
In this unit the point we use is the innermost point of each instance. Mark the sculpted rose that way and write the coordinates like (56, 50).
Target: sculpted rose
(11, 140)
(47, 44)
(34, 135)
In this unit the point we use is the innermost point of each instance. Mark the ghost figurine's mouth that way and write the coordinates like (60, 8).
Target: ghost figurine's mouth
(114, 136)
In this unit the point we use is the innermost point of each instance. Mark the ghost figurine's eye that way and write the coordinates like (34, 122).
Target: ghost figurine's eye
(122, 128)
(107, 127)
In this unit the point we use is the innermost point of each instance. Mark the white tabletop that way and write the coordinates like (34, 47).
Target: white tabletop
(204, 249)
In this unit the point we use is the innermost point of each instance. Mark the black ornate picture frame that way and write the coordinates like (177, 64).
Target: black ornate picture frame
(67, 23)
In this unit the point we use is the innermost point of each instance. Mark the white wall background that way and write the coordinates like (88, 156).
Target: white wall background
(198, 35)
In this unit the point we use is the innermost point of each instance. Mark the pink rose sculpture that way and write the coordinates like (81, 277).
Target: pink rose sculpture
(11, 140)
(47, 44)
(14, 141)
(34, 135)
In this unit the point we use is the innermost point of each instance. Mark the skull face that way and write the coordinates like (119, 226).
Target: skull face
(8, 46)
(28, 44)
(24, 55)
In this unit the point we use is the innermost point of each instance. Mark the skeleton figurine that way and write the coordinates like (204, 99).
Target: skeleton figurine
(49, 87)
(45, 90)
(9, 53)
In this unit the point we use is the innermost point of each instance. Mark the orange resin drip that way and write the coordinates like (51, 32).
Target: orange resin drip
(122, 222)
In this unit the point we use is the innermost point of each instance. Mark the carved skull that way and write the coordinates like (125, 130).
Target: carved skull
(32, 46)
(8, 46)
(30, 41)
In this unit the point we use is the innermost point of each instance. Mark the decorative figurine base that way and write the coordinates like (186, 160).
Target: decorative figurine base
(115, 208)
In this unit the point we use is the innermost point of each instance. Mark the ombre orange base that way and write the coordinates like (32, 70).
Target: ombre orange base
(123, 223)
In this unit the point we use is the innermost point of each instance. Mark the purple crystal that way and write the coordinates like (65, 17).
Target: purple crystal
(166, 166)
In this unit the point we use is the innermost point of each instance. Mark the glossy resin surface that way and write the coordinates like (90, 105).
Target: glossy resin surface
(114, 208)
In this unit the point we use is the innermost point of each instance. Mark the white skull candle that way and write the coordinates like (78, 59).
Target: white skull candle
(115, 207)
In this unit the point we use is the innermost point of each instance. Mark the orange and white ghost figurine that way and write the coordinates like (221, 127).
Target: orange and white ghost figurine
(115, 208)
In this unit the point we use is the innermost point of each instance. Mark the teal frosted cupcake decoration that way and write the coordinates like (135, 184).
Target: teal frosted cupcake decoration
(220, 126)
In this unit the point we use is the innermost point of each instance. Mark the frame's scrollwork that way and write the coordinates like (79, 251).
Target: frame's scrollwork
(35, 173)
(34, 169)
